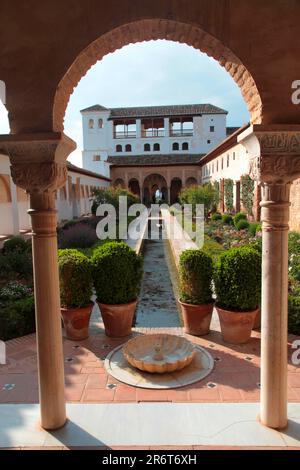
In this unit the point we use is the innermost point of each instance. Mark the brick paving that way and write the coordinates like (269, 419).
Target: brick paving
(235, 377)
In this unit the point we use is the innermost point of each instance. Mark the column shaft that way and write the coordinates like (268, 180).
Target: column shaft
(275, 216)
(47, 306)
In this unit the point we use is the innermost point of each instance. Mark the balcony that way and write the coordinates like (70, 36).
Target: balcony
(125, 135)
(153, 133)
(181, 132)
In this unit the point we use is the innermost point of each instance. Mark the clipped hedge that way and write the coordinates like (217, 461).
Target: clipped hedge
(242, 224)
(227, 219)
(17, 318)
(216, 216)
(117, 273)
(15, 244)
(76, 283)
(237, 278)
(294, 314)
(239, 216)
(195, 275)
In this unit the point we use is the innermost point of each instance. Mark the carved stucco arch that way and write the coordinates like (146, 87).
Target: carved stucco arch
(153, 29)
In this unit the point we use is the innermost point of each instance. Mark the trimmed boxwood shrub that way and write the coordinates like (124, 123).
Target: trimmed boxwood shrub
(195, 274)
(15, 245)
(294, 243)
(216, 216)
(239, 216)
(237, 278)
(17, 318)
(294, 314)
(76, 283)
(242, 225)
(227, 219)
(117, 272)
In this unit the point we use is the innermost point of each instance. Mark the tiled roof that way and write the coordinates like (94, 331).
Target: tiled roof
(96, 107)
(83, 171)
(154, 160)
(231, 130)
(160, 111)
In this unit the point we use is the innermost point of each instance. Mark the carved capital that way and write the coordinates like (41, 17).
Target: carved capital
(274, 152)
(38, 161)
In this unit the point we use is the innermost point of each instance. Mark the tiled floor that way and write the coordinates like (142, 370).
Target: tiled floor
(235, 377)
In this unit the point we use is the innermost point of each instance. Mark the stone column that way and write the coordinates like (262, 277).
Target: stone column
(169, 195)
(38, 165)
(274, 162)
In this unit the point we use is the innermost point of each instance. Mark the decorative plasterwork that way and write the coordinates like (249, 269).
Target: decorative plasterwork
(274, 155)
(38, 160)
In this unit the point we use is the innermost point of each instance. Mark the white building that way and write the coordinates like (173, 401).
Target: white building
(152, 130)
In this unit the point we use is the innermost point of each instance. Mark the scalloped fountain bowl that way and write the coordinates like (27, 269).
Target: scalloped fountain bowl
(159, 353)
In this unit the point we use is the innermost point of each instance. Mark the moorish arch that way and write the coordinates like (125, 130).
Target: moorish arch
(119, 182)
(151, 184)
(154, 29)
(191, 181)
(134, 186)
(176, 186)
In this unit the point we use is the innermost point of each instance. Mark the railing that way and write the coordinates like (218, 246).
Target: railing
(153, 133)
(181, 132)
(125, 135)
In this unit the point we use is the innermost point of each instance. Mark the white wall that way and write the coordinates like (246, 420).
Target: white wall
(238, 165)
(101, 141)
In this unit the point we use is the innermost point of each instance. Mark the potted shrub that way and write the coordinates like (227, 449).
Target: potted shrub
(195, 275)
(76, 288)
(237, 279)
(117, 272)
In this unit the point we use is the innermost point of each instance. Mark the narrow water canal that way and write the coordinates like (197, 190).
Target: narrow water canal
(157, 307)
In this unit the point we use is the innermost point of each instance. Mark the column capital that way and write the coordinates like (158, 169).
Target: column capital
(38, 161)
(274, 152)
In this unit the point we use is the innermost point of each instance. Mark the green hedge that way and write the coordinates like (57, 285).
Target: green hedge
(242, 224)
(239, 216)
(216, 216)
(294, 314)
(227, 219)
(76, 283)
(195, 274)
(237, 278)
(117, 273)
(17, 318)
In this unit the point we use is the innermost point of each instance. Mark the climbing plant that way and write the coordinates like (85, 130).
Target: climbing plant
(228, 194)
(216, 186)
(247, 193)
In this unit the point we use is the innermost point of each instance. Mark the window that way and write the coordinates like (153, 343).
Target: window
(211, 128)
(124, 128)
(227, 160)
(222, 164)
(185, 146)
(91, 123)
(181, 126)
(156, 147)
(175, 146)
(119, 148)
(151, 127)
(147, 148)
(127, 148)
(96, 158)
(217, 165)
(100, 123)
(208, 141)
(233, 155)
(213, 168)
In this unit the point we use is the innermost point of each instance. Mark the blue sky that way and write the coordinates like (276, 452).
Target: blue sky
(151, 73)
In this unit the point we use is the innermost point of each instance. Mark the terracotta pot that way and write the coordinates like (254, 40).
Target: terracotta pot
(196, 318)
(76, 321)
(257, 321)
(118, 319)
(236, 326)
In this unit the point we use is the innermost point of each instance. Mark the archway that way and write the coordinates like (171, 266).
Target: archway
(134, 187)
(152, 29)
(153, 183)
(191, 181)
(176, 185)
(119, 182)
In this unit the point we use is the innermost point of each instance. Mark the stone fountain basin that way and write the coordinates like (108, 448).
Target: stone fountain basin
(159, 353)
